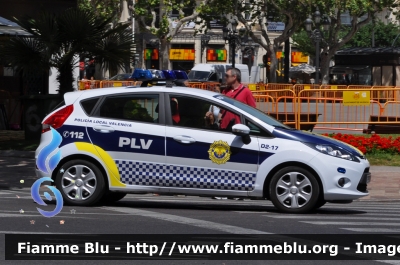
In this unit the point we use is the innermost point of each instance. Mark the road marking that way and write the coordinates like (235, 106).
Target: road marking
(23, 232)
(340, 214)
(34, 215)
(393, 262)
(261, 212)
(372, 230)
(350, 223)
(363, 207)
(315, 217)
(187, 221)
(21, 197)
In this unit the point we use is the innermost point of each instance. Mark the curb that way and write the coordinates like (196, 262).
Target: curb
(15, 153)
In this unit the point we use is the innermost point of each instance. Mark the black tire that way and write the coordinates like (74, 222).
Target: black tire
(110, 197)
(96, 183)
(305, 193)
(319, 204)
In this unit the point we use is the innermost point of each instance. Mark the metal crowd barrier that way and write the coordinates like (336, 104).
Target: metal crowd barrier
(93, 84)
(358, 109)
(333, 107)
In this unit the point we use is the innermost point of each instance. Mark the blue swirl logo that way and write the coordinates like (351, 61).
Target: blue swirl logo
(50, 155)
(47, 160)
(35, 193)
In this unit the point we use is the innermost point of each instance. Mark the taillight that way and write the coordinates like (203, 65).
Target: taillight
(57, 119)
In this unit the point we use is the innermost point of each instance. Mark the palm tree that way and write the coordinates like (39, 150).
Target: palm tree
(57, 39)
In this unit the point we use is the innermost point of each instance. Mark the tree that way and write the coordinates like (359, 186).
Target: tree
(292, 13)
(154, 16)
(57, 39)
(361, 13)
(102, 8)
(384, 35)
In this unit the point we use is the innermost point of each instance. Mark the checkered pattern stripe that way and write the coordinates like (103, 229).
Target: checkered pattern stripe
(152, 174)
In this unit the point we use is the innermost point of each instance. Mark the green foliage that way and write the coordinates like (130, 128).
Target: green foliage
(384, 35)
(303, 43)
(57, 39)
(153, 15)
(102, 8)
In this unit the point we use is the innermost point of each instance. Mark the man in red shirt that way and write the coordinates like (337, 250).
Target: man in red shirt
(237, 91)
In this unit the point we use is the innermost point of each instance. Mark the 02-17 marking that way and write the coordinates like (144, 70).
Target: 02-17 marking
(272, 147)
(76, 135)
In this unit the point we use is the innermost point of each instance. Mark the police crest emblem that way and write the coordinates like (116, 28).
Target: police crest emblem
(219, 152)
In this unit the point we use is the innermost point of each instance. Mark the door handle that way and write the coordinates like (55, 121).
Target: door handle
(104, 129)
(184, 139)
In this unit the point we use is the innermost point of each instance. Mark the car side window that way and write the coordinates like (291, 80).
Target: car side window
(256, 130)
(191, 112)
(142, 108)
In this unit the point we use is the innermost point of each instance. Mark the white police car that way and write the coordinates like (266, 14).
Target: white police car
(105, 143)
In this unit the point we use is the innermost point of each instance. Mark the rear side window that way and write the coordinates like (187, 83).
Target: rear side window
(88, 105)
(143, 108)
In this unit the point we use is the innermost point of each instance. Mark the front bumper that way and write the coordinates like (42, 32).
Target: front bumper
(365, 179)
(337, 186)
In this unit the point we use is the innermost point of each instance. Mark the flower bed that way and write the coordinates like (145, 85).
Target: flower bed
(369, 145)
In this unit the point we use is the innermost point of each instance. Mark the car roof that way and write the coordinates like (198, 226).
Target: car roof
(107, 91)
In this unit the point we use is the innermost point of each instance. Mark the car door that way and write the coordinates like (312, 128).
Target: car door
(129, 130)
(200, 158)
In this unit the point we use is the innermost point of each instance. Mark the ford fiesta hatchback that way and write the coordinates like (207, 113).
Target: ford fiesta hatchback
(102, 144)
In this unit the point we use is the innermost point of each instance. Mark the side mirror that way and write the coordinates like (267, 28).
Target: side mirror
(240, 130)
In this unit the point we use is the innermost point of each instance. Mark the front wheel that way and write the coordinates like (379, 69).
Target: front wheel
(294, 190)
(319, 204)
(80, 183)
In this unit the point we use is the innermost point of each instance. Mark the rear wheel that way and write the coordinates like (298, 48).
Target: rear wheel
(294, 190)
(80, 182)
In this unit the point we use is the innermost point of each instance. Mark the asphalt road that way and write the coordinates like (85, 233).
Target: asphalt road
(149, 214)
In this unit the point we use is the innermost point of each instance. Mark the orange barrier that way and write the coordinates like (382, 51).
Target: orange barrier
(279, 104)
(196, 85)
(356, 109)
(392, 108)
(88, 84)
(210, 85)
(334, 93)
(111, 83)
(383, 94)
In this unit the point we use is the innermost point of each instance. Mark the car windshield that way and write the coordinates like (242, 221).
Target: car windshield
(253, 111)
(120, 77)
(201, 75)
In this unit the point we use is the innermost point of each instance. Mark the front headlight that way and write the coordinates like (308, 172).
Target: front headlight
(333, 150)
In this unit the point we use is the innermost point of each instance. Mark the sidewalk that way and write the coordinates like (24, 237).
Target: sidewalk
(385, 184)
(16, 165)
